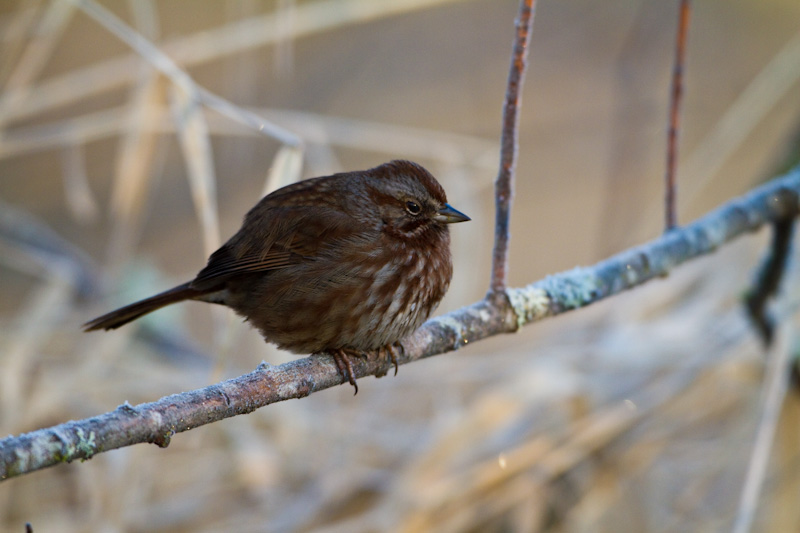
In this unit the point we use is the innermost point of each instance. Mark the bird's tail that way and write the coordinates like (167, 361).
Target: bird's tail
(126, 314)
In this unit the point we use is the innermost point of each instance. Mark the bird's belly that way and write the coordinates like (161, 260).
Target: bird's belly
(337, 309)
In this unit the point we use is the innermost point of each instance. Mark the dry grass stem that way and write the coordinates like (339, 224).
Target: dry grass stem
(702, 165)
(44, 308)
(164, 64)
(286, 168)
(15, 27)
(203, 47)
(782, 357)
(194, 138)
(77, 193)
(34, 57)
(134, 173)
(315, 129)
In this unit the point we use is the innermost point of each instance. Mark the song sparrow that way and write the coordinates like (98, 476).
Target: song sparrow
(345, 264)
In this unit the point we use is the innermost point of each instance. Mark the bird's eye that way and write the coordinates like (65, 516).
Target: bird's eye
(413, 207)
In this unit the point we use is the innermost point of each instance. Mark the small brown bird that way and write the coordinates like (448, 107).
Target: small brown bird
(345, 264)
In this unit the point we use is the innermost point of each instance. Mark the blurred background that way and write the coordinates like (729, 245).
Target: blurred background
(636, 414)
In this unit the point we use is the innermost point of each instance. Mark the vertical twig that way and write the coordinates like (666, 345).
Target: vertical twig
(768, 279)
(674, 114)
(504, 186)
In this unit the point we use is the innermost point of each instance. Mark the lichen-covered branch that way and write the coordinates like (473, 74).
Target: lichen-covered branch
(156, 422)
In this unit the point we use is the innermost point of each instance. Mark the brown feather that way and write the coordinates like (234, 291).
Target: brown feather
(126, 314)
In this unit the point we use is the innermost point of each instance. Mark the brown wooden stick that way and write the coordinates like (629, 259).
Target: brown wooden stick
(674, 116)
(504, 186)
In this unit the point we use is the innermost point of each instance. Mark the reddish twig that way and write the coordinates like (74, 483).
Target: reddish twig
(504, 186)
(674, 114)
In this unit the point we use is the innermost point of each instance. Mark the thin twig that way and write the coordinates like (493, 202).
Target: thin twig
(674, 114)
(156, 422)
(504, 186)
(768, 279)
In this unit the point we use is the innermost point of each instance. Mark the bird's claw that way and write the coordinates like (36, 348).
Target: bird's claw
(342, 360)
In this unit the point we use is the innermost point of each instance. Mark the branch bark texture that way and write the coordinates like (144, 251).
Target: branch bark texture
(158, 421)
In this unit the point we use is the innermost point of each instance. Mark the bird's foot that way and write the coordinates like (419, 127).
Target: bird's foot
(342, 359)
(391, 351)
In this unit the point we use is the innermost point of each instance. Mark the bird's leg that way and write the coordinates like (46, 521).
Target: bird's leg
(342, 360)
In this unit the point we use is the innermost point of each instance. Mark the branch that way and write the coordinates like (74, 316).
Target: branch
(504, 186)
(158, 421)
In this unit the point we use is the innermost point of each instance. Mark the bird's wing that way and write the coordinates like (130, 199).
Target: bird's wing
(296, 235)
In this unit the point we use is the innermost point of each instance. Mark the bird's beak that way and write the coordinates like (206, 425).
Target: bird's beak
(448, 215)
